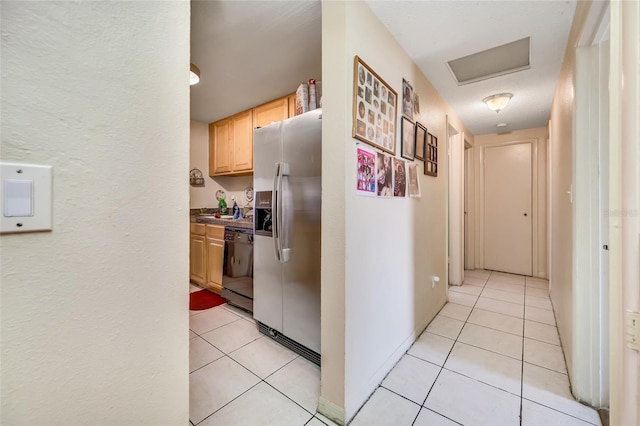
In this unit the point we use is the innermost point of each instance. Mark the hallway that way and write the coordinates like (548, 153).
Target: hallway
(490, 357)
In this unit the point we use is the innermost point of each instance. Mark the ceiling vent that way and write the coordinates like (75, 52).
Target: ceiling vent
(494, 62)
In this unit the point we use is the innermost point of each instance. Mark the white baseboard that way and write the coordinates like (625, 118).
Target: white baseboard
(332, 411)
(393, 359)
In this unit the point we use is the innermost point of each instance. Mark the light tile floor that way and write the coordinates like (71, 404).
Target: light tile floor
(491, 356)
(240, 377)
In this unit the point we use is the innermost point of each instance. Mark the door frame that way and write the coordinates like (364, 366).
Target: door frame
(590, 375)
(469, 222)
(455, 205)
(624, 203)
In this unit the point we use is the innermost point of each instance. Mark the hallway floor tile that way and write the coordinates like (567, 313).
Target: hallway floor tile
(492, 356)
(504, 367)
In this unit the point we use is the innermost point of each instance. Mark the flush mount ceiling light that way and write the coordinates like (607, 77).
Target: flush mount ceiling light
(194, 76)
(497, 102)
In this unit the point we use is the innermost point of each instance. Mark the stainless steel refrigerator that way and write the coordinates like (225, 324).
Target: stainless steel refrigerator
(287, 187)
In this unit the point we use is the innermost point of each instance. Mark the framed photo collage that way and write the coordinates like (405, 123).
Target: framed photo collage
(375, 104)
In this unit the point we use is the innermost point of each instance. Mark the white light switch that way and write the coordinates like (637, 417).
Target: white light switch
(25, 197)
(18, 198)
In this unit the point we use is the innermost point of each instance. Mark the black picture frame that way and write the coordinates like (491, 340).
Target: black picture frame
(421, 141)
(408, 140)
(431, 156)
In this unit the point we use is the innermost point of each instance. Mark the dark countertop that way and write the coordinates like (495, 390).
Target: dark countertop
(245, 223)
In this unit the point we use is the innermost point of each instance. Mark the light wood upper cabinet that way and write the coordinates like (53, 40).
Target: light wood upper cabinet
(220, 144)
(231, 139)
(292, 105)
(271, 112)
(231, 145)
(242, 125)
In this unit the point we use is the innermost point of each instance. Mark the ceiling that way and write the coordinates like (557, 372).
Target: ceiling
(251, 52)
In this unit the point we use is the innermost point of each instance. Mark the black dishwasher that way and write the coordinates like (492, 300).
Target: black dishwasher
(237, 272)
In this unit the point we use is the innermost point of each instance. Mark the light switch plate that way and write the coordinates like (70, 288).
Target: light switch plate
(25, 198)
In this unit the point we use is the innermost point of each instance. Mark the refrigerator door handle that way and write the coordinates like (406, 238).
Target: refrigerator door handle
(285, 252)
(275, 199)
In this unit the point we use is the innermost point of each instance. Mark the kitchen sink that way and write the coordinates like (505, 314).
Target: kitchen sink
(211, 216)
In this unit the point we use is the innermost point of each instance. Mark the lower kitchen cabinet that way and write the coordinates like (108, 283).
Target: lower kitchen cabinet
(215, 257)
(197, 254)
(206, 256)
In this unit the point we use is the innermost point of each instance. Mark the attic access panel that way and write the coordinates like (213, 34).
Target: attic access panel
(494, 62)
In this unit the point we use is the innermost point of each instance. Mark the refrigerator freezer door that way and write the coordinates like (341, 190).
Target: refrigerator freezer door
(267, 283)
(267, 151)
(302, 151)
(267, 271)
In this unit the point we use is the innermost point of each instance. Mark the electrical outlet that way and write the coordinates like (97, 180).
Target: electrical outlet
(434, 280)
(633, 330)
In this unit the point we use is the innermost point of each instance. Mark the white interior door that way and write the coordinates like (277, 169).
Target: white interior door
(507, 208)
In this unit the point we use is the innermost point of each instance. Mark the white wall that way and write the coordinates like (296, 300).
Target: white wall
(561, 220)
(538, 140)
(378, 254)
(205, 196)
(624, 213)
(95, 313)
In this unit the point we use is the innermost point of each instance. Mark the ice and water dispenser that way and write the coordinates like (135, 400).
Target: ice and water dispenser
(262, 214)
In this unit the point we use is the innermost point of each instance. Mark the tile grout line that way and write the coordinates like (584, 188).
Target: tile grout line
(566, 373)
(559, 411)
(448, 354)
(260, 381)
(228, 403)
(481, 381)
(225, 354)
(524, 322)
(287, 396)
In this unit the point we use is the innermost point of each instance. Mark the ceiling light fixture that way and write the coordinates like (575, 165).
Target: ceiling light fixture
(497, 102)
(194, 76)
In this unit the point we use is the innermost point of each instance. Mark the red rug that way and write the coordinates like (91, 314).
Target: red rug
(204, 299)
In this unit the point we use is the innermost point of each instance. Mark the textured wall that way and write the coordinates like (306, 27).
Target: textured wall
(95, 313)
(379, 256)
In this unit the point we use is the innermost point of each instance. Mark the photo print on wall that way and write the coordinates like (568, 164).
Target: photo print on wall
(407, 99)
(384, 175)
(366, 174)
(399, 178)
(374, 108)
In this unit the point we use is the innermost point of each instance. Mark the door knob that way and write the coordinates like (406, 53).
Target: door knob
(525, 214)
